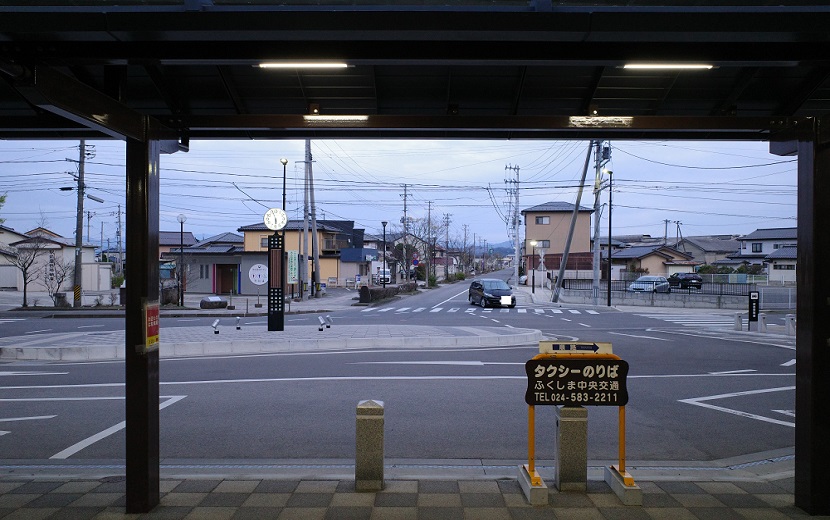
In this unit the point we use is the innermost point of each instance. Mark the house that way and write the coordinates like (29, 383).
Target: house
(213, 265)
(170, 239)
(548, 225)
(781, 265)
(708, 249)
(656, 260)
(8, 271)
(56, 254)
(755, 246)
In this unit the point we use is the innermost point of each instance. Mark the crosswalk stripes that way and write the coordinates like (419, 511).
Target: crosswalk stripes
(10, 320)
(474, 310)
(695, 320)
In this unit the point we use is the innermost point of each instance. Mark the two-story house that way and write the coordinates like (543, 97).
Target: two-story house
(548, 226)
(756, 246)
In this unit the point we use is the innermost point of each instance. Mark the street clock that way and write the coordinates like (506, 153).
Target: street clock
(275, 219)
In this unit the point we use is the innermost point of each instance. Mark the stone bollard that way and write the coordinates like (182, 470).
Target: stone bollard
(789, 324)
(368, 468)
(571, 448)
(738, 324)
(762, 322)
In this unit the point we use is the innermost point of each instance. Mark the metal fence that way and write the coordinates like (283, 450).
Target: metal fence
(717, 289)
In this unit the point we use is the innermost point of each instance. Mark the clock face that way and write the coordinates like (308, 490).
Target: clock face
(275, 219)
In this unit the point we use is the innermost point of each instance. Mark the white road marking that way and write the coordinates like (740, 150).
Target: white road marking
(14, 374)
(493, 319)
(522, 311)
(403, 309)
(421, 309)
(641, 337)
(539, 311)
(450, 363)
(556, 311)
(188, 319)
(583, 325)
(437, 309)
(33, 418)
(788, 363)
(566, 319)
(744, 371)
(36, 331)
(78, 446)
(573, 311)
(699, 401)
(454, 309)
(387, 309)
(591, 312)
(791, 413)
(89, 326)
(368, 310)
(465, 291)
(470, 310)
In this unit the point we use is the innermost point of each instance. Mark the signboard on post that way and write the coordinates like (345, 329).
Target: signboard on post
(151, 327)
(573, 381)
(754, 305)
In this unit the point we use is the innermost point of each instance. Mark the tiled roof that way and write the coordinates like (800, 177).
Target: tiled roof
(784, 253)
(550, 207)
(772, 234)
(175, 238)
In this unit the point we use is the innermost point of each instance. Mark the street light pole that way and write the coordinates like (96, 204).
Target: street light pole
(181, 218)
(383, 273)
(610, 192)
(533, 265)
(283, 277)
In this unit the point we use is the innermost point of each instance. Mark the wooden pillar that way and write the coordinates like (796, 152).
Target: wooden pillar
(812, 421)
(142, 358)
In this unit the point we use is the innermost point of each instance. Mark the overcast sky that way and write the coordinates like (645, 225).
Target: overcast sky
(709, 187)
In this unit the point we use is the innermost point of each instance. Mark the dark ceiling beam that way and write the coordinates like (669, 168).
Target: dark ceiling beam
(520, 85)
(67, 97)
(165, 88)
(797, 98)
(755, 128)
(728, 106)
(230, 88)
(588, 100)
(658, 103)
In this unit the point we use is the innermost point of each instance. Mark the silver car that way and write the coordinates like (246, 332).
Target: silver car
(650, 284)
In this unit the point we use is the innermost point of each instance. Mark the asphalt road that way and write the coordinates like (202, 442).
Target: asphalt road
(695, 394)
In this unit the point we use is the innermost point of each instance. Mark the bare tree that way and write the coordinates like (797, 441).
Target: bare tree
(25, 259)
(54, 274)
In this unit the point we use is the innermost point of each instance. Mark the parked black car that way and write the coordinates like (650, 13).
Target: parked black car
(686, 280)
(491, 291)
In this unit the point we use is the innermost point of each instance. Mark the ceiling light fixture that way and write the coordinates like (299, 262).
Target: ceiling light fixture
(669, 66)
(334, 118)
(303, 65)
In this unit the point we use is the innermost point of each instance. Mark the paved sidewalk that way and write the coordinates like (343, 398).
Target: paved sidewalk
(413, 490)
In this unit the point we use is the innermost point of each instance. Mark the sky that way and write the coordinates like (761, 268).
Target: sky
(699, 187)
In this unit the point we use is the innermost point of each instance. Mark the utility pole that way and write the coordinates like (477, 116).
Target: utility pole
(79, 227)
(447, 255)
(602, 155)
(118, 239)
(405, 222)
(666, 231)
(513, 223)
(464, 251)
(305, 282)
(430, 254)
(314, 236)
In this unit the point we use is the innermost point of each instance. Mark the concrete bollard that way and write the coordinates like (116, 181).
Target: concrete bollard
(571, 448)
(789, 324)
(762, 322)
(738, 324)
(368, 468)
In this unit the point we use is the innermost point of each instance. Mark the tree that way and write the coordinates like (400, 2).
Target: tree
(25, 259)
(54, 274)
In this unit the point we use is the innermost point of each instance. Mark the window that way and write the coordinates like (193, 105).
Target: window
(263, 241)
(784, 267)
(757, 247)
(543, 220)
(543, 244)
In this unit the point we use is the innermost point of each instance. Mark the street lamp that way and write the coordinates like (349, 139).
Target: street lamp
(610, 191)
(533, 265)
(383, 273)
(181, 218)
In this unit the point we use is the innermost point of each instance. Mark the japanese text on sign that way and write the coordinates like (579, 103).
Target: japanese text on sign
(588, 382)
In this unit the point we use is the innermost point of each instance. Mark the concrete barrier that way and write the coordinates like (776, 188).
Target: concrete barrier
(571, 448)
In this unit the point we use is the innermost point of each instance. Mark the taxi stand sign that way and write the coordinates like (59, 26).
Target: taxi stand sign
(573, 381)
